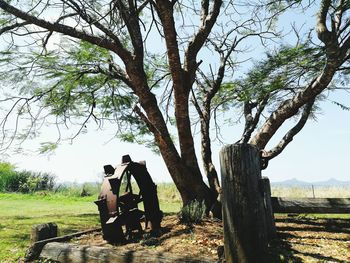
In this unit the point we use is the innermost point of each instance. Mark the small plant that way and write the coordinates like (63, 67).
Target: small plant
(193, 212)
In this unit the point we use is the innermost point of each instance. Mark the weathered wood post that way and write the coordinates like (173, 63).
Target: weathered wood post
(43, 231)
(38, 235)
(270, 219)
(245, 228)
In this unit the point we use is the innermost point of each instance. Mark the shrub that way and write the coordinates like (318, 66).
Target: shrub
(7, 171)
(24, 181)
(193, 212)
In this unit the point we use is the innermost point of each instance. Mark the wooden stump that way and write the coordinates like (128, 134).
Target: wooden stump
(245, 228)
(38, 235)
(43, 231)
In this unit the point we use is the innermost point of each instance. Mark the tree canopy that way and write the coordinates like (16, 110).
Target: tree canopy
(147, 66)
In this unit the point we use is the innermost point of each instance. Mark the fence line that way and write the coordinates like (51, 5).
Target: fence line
(311, 205)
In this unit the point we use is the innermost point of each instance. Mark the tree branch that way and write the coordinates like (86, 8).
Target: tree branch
(131, 20)
(11, 27)
(290, 134)
(322, 32)
(287, 109)
(103, 42)
(144, 118)
(207, 23)
(252, 122)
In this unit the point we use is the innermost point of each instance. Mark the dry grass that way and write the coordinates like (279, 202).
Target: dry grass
(318, 192)
(167, 192)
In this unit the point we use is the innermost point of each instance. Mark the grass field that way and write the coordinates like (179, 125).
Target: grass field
(19, 212)
(307, 191)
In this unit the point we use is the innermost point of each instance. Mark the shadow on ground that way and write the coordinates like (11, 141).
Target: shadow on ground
(282, 248)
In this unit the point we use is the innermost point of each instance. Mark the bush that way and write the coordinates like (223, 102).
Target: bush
(24, 181)
(193, 212)
(7, 171)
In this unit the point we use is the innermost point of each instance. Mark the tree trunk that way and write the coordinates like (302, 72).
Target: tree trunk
(190, 184)
(245, 228)
(209, 168)
(184, 170)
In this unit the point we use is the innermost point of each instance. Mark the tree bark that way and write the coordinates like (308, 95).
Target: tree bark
(244, 217)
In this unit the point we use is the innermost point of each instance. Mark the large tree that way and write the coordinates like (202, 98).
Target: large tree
(286, 84)
(104, 69)
(110, 73)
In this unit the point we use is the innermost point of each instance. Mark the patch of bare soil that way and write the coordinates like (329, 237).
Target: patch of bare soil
(299, 240)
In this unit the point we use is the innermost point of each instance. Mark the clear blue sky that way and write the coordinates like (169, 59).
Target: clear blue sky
(319, 152)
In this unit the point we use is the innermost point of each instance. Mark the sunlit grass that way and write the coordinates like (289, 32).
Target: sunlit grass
(307, 191)
(19, 212)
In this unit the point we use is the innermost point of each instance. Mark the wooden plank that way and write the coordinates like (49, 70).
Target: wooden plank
(311, 205)
(65, 252)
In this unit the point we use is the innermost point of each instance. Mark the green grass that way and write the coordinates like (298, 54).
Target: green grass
(19, 212)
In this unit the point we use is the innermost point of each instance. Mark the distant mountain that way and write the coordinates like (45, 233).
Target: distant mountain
(298, 183)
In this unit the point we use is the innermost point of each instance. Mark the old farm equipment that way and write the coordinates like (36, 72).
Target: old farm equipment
(121, 219)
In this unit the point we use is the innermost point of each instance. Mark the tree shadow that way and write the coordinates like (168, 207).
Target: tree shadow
(318, 257)
(168, 234)
(315, 229)
(281, 249)
(286, 235)
(341, 223)
(324, 225)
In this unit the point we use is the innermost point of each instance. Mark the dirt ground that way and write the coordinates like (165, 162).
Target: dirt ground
(299, 239)
(303, 239)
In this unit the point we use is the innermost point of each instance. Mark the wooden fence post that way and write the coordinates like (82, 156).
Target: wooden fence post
(270, 219)
(43, 231)
(244, 217)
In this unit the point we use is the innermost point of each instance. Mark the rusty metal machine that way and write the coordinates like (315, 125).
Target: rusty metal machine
(121, 218)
